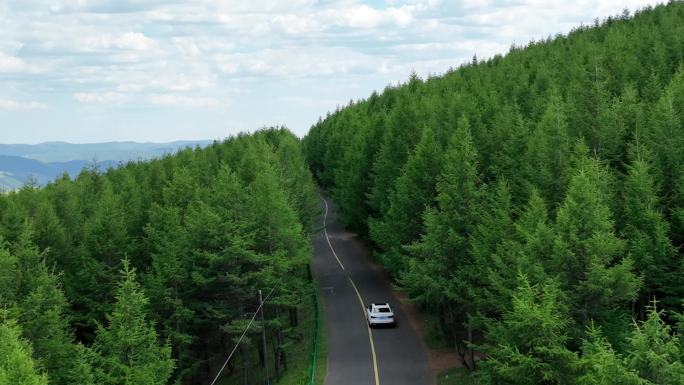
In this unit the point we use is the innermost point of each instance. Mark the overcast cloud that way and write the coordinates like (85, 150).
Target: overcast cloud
(160, 70)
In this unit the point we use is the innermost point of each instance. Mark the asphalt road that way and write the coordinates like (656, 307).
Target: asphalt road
(358, 355)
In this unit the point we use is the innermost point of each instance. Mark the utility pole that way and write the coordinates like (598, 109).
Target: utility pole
(263, 337)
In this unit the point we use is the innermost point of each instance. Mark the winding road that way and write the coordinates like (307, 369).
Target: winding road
(358, 355)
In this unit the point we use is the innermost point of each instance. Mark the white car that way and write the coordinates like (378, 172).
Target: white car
(379, 314)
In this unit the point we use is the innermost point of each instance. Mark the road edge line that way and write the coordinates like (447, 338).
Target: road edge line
(325, 231)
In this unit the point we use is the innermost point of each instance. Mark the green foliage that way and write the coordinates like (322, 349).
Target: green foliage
(490, 242)
(547, 155)
(128, 346)
(561, 161)
(654, 352)
(36, 300)
(587, 253)
(442, 252)
(414, 191)
(531, 338)
(647, 232)
(205, 228)
(600, 364)
(16, 365)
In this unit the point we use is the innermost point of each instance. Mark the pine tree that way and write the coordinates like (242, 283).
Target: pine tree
(677, 214)
(535, 238)
(48, 232)
(351, 185)
(413, 192)
(439, 271)
(277, 227)
(489, 242)
(587, 254)
(547, 156)
(528, 345)
(296, 178)
(505, 140)
(16, 365)
(646, 232)
(601, 365)
(525, 249)
(128, 346)
(397, 142)
(666, 138)
(654, 352)
(36, 301)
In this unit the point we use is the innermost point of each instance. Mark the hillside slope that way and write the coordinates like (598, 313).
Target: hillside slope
(115, 151)
(538, 192)
(43, 163)
(15, 171)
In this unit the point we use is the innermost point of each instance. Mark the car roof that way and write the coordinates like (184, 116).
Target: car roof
(380, 304)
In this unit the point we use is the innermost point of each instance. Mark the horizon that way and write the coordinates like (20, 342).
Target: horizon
(109, 142)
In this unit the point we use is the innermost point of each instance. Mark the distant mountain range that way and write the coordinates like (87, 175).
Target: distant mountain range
(20, 163)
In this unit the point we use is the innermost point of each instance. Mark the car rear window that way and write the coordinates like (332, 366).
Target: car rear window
(383, 310)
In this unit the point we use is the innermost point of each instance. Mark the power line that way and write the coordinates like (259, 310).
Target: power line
(261, 304)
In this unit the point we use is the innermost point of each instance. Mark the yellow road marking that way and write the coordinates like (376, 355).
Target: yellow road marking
(370, 335)
(325, 230)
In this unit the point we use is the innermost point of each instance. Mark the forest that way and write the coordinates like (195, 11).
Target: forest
(533, 202)
(148, 273)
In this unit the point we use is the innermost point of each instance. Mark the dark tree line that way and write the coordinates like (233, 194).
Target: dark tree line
(535, 199)
(146, 274)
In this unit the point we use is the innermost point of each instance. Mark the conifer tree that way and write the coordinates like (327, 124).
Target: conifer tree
(646, 232)
(17, 367)
(129, 349)
(351, 187)
(277, 228)
(48, 232)
(525, 249)
(677, 213)
(587, 254)
(438, 274)
(413, 192)
(397, 142)
(654, 352)
(37, 302)
(489, 243)
(296, 178)
(535, 238)
(528, 345)
(667, 138)
(601, 365)
(547, 157)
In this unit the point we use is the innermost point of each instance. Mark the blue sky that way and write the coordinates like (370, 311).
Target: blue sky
(162, 70)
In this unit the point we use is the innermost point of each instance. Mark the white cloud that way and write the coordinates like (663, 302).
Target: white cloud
(184, 101)
(11, 63)
(12, 105)
(363, 16)
(126, 41)
(100, 98)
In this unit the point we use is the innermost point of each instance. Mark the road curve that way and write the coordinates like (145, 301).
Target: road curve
(358, 355)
